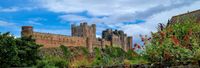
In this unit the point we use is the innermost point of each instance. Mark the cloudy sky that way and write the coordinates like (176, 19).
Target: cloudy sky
(55, 16)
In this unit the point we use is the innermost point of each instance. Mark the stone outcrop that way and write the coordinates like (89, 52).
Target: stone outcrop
(83, 35)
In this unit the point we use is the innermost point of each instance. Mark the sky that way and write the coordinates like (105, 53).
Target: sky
(134, 17)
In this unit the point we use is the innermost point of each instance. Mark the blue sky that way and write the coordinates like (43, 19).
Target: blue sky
(134, 17)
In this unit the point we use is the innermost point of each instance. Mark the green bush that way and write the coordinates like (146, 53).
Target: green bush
(197, 54)
(109, 56)
(66, 51)
(52, 62)
(175, 42)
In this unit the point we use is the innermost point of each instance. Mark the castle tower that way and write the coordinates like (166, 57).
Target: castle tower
(124, 43)
(93, 31)
(130, 42)
(73, 29)
(84, 30)
(89, 44)
(107, 34)
(117, 38)
(102, 43)
(26, 31)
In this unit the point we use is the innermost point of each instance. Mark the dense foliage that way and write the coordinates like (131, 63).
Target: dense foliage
(175, 42)
(52, 62)
(109, 56)
(17, 52)
(80, 56)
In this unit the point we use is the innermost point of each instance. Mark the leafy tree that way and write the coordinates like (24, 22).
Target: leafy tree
(17, 52)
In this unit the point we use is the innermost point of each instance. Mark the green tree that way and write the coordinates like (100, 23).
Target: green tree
(17, 52)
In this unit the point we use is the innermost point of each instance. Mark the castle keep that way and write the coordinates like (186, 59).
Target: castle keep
(117, 38)
(82, 35)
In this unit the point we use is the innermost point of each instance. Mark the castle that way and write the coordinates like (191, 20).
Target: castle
(82, 35)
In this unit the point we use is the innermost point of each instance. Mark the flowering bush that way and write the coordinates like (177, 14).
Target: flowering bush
(174, 42)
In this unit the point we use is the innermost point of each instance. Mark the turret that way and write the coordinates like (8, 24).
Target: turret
(73, 28)
(27, 31)
(84, 30)
(94, 30)
(130, 42)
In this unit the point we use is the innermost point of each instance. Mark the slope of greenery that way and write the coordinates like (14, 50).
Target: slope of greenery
(80, 56)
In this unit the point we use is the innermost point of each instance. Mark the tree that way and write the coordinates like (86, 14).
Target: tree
(17, 52)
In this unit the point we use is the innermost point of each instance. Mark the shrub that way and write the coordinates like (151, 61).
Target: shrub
(52, 62)
(197, 54)
(175, 42)
(66, 52)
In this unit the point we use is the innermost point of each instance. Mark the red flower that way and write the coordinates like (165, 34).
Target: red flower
(134, 48)
(135, 45)
(149, 38)
(175, 40)
(186, 38)
(163, 34)
(139, 47)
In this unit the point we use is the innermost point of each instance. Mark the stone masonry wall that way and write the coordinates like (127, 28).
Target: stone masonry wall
(101, 43)
(54, 40)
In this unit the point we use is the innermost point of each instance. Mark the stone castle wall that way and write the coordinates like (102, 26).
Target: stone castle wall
(54, 40)
(83, 35)
(101, 43)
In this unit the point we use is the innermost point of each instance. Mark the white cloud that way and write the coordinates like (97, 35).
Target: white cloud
(16, 9)
(54, 31)
(33, 22)
(11, 9)
(109, 7)
(6, 24)
(118, 11)
(101, 7)
(73, 18)
(151, 23)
